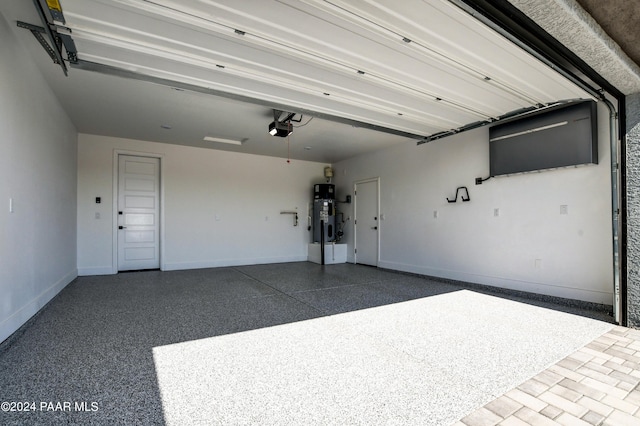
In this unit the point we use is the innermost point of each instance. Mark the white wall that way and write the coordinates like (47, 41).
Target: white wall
(467, 242)
(38, 171)
(220, 208)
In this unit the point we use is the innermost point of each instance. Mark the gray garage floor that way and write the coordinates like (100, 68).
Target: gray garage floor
(280, 344)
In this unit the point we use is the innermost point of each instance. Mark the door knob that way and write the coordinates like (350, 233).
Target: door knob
(122, 227)
(374, 227)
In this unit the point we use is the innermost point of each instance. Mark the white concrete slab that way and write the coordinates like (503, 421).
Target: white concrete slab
(425, 361)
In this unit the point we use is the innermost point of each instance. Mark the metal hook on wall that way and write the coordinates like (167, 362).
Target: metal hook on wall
(459, 189)
(295, 218)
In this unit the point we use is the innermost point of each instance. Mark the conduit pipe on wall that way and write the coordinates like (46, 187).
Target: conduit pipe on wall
(322, 242)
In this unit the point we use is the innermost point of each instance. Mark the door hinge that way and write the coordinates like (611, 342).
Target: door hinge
(355, 250)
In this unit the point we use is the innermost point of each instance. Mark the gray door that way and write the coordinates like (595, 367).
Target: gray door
(367, 219)
(138, 213)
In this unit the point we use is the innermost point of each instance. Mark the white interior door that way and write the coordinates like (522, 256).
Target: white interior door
(138, 213)
(366, 217)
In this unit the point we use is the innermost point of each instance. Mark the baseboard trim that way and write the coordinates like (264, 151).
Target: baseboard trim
(560, 291)
(106, 270)
(231, 262)
(18, 318)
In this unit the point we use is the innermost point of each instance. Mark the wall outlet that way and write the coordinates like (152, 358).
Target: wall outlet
(564, 209)
(496, 212)
(435, 214)
(537, 264)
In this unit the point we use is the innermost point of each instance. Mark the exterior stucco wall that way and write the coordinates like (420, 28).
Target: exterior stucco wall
(571, 25)
(633, 209)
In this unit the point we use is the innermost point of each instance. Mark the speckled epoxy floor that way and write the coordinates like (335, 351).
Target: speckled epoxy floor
(290, 343)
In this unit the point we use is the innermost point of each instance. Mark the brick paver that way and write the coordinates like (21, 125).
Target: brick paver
(597, 385)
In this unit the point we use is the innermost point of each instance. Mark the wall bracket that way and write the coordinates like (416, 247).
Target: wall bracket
(462, 190)
(51, 36)
(295, 218)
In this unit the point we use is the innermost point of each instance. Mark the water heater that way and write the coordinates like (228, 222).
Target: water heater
(324, 191)
(324, 212)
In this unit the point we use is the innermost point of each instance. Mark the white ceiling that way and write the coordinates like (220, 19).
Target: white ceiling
(411, 66)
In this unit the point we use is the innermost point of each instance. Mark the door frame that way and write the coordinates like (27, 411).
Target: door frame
(355, 216)
(116, 154)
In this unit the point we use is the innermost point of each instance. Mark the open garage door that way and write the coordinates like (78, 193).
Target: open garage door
(415, 68)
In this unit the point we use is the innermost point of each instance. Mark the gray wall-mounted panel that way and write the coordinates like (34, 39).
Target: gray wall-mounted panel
(558, 137)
